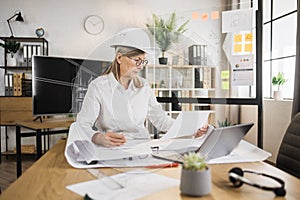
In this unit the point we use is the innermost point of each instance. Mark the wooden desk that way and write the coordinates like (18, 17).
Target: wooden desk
(39, 128)
(14, 108)
(49, 176)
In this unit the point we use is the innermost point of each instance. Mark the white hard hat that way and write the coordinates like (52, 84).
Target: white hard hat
(132, 37)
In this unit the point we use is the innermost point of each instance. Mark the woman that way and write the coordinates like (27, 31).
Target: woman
(117, 103)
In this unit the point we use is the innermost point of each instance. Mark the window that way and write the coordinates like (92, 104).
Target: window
(280, 28)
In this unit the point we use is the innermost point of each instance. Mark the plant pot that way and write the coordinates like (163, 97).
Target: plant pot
(11, 60)
(277, 95)
(195, 183)
(163, 60)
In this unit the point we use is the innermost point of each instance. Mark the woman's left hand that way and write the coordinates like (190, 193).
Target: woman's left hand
(201, 131)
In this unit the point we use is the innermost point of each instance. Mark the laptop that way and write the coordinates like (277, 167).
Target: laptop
(220, 142)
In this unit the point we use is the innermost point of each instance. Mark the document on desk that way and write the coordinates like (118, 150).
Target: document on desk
(244, 152)
(131, 185)
(136, 153)
(80, 152)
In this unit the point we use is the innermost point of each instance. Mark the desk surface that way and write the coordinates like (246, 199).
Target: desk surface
(49, 176)
(46, 123)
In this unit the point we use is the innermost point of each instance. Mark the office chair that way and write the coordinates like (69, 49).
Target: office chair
(288, 158)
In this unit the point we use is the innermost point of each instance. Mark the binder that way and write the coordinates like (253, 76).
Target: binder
(26, 86)
(198, 56)
(9, 91)
(34, 50)
(29, 54)
(38, 50)
(203, 55)
(11, 84)
(25, 54)
(195, 52)
(2, 82)
(17, 84)
(6, 80)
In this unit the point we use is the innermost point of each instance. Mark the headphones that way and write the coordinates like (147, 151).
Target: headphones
(236, 177)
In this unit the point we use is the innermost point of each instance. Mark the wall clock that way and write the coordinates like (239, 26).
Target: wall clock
(93, 24)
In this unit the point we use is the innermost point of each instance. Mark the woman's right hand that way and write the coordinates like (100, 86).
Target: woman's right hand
(109, 139)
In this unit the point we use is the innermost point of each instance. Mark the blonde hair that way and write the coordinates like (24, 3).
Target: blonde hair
(115, 66)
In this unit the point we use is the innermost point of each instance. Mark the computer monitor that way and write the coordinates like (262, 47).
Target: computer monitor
(60, 83)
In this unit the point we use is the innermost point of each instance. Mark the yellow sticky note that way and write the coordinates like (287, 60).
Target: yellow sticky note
(238, 38)
(214, 15)
(225, 74)
(195, 15)
(204, 16)
(237, 48)
(225, 85)
(248, 47)
(248, 37)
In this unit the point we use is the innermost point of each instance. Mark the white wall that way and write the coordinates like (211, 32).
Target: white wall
(63, 23)
(276, 119)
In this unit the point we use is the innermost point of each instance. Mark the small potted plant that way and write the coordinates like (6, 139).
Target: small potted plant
(278, 81)
(224, 123)
(166, 33)
(11, 48)
(195, 175)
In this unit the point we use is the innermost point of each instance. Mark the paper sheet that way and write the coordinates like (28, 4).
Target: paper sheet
(244, 152)
(133, 182)
(237, 20)
(79, 152)
(187, 123)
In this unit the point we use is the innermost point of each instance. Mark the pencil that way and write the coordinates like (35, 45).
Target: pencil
(174, 164)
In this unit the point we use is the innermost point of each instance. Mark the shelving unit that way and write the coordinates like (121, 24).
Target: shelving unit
(187, 81)
(17, 70)
(16, 94)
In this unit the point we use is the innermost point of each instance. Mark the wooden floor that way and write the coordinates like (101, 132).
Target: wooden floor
(8, 169)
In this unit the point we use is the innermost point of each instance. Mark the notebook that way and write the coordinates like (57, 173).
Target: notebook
(220, 142)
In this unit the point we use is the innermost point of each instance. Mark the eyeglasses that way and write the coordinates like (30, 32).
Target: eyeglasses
(139, 62)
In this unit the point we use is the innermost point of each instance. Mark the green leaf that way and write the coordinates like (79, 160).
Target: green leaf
(279, 80)
(165, 32)
(11, 46)
(194, 161)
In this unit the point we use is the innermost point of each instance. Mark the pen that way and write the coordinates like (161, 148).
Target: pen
(174, 164)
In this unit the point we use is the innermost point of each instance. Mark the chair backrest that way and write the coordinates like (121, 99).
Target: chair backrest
(288, 158)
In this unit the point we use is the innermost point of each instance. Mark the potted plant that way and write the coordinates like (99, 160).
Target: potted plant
(278, 81)
(195, 175)
(166, 33)
(224, 123)
(11, 47)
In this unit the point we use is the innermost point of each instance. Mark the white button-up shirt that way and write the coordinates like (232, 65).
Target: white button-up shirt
(108, 106)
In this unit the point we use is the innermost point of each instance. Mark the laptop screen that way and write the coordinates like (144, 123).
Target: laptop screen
(221, 141)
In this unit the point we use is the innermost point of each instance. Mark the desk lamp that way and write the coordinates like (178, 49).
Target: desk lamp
(19, 18)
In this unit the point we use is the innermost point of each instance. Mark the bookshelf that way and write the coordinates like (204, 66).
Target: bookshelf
(16, 81)
(16, 68)
(182, 81)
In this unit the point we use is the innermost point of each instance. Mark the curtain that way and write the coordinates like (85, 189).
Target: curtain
(296, 102)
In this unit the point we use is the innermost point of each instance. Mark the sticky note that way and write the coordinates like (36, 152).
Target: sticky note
(214, 15)
(204, 16)
(248, 37)
(238, 38)
(195, 15)
(225, 85)
(237, 48)
(225, 74)
(248, 47)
